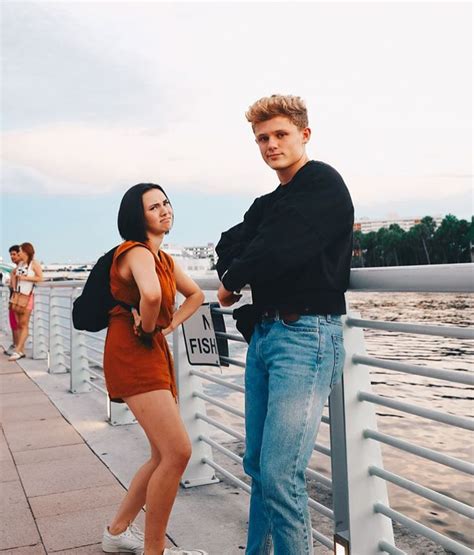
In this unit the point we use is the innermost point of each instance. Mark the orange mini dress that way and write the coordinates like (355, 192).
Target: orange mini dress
(130, 367)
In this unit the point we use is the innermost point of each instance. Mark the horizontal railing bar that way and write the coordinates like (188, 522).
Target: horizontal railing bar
(228, 311)
(427, 493)
(427, 278)
(40, 310)
(91, 336)
(59, 334)
(437, 416)
(96, 374)
(233, 361)
(63, 327)
(322, 449)
(220, 426)
(319, 477)
(424, 452)
(230, 336)
(94, 349)
(57, 296)
(95, 386)
(311, 502)
(421, 329)
(466, 378)
(219, 381)
(390, 549)
(228, 475)
(222, 449)
(62, 317)
(418, 528)
(96, 362)
(220, 404)
(321, 509)
(325, 419)
(322, 539)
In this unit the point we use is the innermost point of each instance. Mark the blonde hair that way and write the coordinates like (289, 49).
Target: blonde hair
(268, 107)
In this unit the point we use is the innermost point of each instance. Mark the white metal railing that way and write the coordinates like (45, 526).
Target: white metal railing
(359, 481)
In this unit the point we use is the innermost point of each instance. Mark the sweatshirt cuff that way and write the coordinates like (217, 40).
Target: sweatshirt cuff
(230, 283)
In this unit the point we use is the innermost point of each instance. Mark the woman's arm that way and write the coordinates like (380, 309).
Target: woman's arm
(194, 299)
(38, 271)
(142, 266)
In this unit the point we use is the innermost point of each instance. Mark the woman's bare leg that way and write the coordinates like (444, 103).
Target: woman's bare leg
(23, 322)
(135, 498)
(157, 413)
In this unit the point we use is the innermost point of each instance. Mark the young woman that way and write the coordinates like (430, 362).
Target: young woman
(138, 366)
(26, 275)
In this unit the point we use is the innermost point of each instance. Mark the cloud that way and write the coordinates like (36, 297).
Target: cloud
(87, 159)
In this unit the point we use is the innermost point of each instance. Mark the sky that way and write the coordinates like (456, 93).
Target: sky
(98, 96)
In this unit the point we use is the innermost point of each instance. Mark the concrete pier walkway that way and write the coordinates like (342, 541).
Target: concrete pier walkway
(64, 470)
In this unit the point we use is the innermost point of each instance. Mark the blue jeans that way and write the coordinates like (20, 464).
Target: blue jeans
(291, 368)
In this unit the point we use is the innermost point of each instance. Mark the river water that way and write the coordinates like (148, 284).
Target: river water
(457, 399)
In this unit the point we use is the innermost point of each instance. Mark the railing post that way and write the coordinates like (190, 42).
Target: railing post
(80, 377)
(355, 492)
(119, 414)
(4, 322)
(197, 473)
(40, 328)
(57, 358)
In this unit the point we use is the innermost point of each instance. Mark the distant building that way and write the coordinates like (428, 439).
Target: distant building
(208, 251)
(366, 226)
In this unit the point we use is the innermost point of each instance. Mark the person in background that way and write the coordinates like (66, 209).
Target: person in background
(138, 366)
(14, 251)
(28, 272)
(294, 249)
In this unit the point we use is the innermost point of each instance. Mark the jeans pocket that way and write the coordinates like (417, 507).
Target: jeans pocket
(308, 323)
(339, 359)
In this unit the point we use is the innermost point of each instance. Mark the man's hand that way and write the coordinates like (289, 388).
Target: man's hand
(227, 298)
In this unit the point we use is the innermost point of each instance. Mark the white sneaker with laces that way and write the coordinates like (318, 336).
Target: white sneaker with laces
(129, 541)
(16, 356)
(179, 551)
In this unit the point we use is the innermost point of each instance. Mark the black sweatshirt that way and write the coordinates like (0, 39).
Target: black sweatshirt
(294, 246)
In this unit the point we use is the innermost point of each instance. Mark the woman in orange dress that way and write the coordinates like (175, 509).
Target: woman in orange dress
(138, 366)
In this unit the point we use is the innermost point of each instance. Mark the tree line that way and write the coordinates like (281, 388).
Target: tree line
(423, 243)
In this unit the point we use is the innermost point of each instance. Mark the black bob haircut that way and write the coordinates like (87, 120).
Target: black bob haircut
(15, 248)
(131, 218)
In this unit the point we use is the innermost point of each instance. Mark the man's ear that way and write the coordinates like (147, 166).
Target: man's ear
(306, 134)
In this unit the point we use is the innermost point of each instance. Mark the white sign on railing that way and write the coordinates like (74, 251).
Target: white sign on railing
(200, 339)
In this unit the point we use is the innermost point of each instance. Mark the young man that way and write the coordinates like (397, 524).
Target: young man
(14, 251)
(294, 249)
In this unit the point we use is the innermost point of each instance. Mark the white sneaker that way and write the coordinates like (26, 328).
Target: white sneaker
(10, 350)
(130, 541)
(16, 356)
(179, 551)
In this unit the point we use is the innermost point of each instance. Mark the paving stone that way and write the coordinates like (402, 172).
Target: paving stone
(64, 475)
(23, 413)
(16, 383)
(8, 471)
(52, 453)
(78, 500)
(21, 399)
(37, 549)
(5, 454)
(17, 527)
(22, 436)
(95, 549)
(12, 499)
(10, 368)
(78, 529)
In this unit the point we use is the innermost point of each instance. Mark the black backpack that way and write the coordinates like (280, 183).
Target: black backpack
(90, 311)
